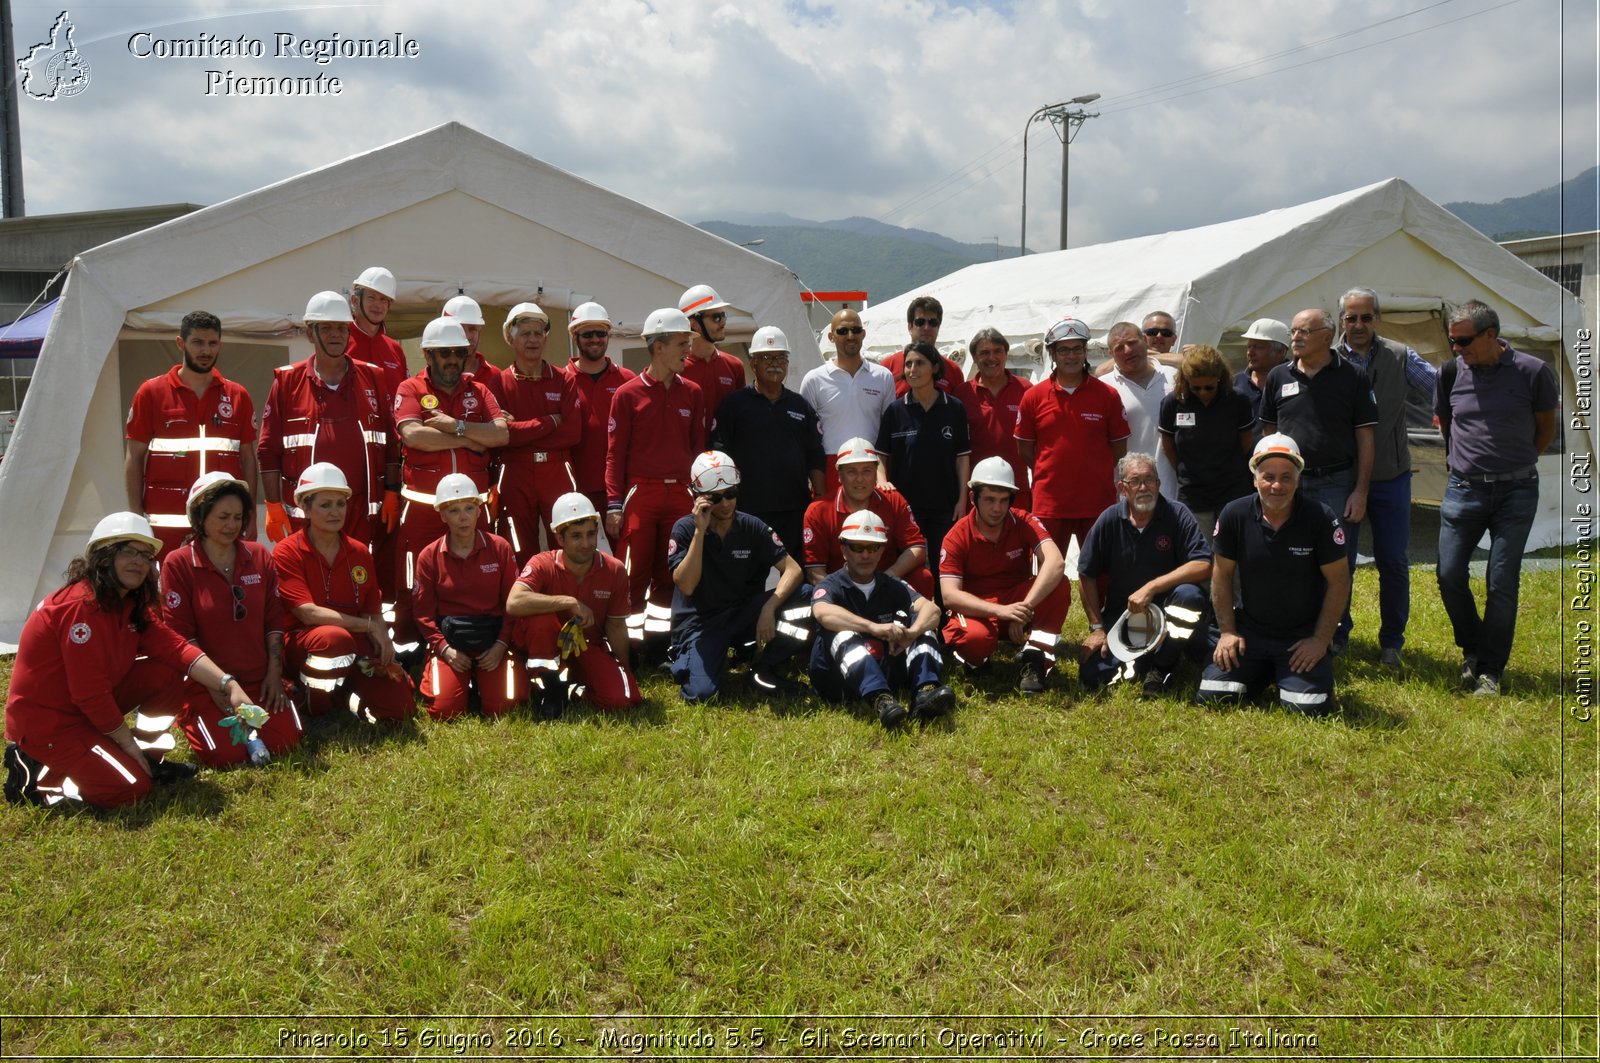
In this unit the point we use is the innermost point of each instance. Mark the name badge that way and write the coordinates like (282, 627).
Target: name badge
(1185, 420)
(1291, 388)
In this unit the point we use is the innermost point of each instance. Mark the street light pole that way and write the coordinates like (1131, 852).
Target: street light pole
(1067, 124)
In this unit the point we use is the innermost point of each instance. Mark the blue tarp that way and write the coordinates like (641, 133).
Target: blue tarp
(24, 336)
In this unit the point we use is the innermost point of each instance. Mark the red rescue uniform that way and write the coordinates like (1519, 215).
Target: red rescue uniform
(950, 380)
(381, 352)
(306, 421)
(77, 673)
(716, 377)
(324, 655)
(604, 590)
(589, 455)
(1074, 467)
(230, 619)
(187, 435)
(544, 414)
(657, 430)
(1000, 572)
(991, 424)
(475, 585)
(825, 517)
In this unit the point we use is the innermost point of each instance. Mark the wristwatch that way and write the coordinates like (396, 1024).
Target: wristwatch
(1097, 627)
(461, 427)
(222, 685)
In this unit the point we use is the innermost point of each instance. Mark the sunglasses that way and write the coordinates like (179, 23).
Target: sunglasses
(238, 602)
(863, 548)
(927, 322)
(594, 334)
(1358, 319)
(717, 316)
(718, 496)
(1154, 332)
(1465, 341)
(849, 330)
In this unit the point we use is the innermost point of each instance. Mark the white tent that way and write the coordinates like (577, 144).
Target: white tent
(1216, 279)
(447, 210)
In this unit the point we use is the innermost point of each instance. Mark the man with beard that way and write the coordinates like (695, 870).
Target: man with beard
(715, 372)
(183, 424)
(771, 433)
(1154, 556)
(1266, 344)
(1288, 552)
(372, 294)
(598, 379)
(464, 309)
(449, 424)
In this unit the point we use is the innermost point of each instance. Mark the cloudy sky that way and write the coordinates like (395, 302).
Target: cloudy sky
(909, 111)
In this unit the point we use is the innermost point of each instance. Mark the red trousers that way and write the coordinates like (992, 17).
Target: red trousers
(419, 525)
(607, 684)
(80, 763)
(213, 744)
(528, 491)
(973, 638)
(648, 514)
(325, 656)
(444, 690)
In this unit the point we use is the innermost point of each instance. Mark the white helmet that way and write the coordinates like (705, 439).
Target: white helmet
(1136, 634)
(993, 472)
(665, 320)
(123, 527)
(209, 483)
(769, 338)
(329, 306)
(1068, 328)
(323, 476)
(857, 451)
(378, 279)
(1276, 445)
(1270, 329)
(588, 314)
(864, 526)
(699, 299)
(464, 308)
(456, 487)
(522, 310)
(571, 508)
(444, 332)
(713, 471)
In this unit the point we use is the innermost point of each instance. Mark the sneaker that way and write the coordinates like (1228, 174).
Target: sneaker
(1032, 679)
(1469, 672)
(1391, 658)
(933, 700)
(1156, 683)
(778, 686)
(890, 712)
(1488, 686)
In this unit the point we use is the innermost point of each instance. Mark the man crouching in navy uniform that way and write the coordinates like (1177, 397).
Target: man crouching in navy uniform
(1294, 581)
(719, 560)
(876, 632)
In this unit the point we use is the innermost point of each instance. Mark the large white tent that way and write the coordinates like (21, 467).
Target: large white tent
(447, 210)
(1216, 279)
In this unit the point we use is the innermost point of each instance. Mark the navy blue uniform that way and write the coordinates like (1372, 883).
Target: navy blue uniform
(1212, 470)
(727, 602)
(1132, 557)
(776, 446)
(850, 663)
(1281, 594)
(1322, 412)
(922, 447)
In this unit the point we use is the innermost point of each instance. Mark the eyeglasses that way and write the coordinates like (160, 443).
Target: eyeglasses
(1359, 319)
(594, 334)
(1143, 481)
(863, 548)
(238, 602)
(717, 496)
(717, 316)
(927, 322)
(773, 356)
(849, 330)
(1309, 331)
(1164, 332)
(129, 552)
(1465, 341)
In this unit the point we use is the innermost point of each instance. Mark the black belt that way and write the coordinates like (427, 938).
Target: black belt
(1527, 472)
(1327, 470)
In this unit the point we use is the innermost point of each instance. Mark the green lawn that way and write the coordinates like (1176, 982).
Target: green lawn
(1394, 880)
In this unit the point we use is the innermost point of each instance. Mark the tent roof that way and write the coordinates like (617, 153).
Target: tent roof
(23, 337)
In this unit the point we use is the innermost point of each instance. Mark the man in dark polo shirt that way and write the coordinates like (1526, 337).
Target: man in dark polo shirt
(719, 559)
(1497, 409)
(1266, 344)
(1288, 552)
(771, 434)
(1396, 372)
(1154, 554)
(1326, 405)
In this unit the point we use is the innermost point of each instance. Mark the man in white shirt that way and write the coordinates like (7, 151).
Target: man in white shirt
(849, 393)
(1142, 382)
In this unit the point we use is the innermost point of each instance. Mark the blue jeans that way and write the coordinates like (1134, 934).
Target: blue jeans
(1333, 491)
(1389, 517)
(1505, 510)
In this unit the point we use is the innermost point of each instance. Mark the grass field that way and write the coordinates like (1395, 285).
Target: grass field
(1059, 876)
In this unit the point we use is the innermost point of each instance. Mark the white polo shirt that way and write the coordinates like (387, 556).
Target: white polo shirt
(848, 405)
(1142, 404)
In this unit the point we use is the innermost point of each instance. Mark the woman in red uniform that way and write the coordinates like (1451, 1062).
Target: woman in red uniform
(462, 580)
(78, 673)
(337, 641)
(220, 592)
